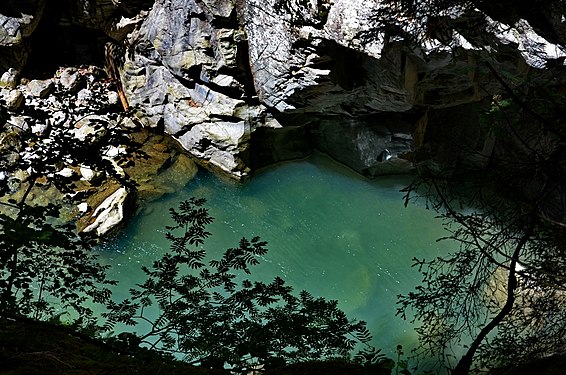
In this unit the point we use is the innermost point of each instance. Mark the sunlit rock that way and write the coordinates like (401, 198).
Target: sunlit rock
(92, 128)
(9, 79)
(40, 88)
(89, 174)
(70, 79)
(66, 172)
(109, 214)
(83, 207)
(13, 99)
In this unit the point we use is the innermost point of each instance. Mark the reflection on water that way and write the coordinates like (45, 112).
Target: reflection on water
(330, 231)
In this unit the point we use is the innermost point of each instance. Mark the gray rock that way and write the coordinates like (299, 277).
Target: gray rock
(9, 79)
(92, 128)
(21, 175)
(219, 8)
(308, 66)
(39, 128)
(71, 80)
(113, 98)
(117, 169)
(87, 173)
(13, 99)
(21, 123)
(59, 118)
(13, 29)
(83, 97)
(40, 88)
(360, 143)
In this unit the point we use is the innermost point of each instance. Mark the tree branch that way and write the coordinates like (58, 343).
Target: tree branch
(465, 363)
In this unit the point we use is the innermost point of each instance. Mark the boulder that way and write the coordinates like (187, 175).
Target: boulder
(40, 88)
(109, 214)
(71, 80)
(13, 99)
(87, 173)
(92, 128)
(9, 79)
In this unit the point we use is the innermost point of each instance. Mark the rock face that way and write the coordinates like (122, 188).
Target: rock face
(243, 84)
(188, 75)
(225, 79)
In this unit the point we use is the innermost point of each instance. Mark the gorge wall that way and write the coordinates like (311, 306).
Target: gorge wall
(247, 83)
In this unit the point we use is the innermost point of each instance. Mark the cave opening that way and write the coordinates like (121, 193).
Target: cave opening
(57, 43)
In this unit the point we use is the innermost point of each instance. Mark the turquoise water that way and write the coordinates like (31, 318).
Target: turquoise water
(330, 231)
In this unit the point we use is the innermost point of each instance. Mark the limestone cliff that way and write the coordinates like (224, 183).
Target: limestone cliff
(243, 84)
(246, 84)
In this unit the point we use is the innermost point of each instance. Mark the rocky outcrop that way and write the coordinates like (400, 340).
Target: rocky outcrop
(236, 70)
(66, 143)
(225, 78)
(240, 85)
(187, 74)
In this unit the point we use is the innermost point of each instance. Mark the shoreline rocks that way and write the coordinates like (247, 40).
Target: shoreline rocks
(82, 153)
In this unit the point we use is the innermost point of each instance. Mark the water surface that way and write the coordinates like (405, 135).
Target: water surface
(330, 231)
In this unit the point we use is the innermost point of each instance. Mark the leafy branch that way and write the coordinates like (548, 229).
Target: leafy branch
(215, 318)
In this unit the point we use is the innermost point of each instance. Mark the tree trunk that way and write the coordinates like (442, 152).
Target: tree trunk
(465, 363)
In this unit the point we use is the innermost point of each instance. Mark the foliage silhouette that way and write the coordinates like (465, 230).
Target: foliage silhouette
(212, 316)
(498, 300)
(46, 269)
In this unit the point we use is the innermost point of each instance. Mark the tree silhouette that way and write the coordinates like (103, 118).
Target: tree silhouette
(46, 269)
(500, 295)
(213, 316)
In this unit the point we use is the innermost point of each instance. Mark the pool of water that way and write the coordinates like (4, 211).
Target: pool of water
(330, 231)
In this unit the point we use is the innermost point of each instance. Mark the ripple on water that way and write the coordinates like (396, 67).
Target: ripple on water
(330, 231)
